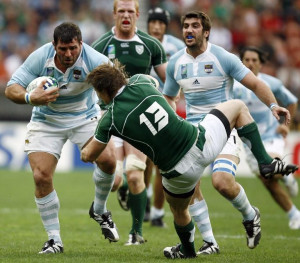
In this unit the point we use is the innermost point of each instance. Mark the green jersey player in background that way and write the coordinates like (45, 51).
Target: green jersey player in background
(139, 52)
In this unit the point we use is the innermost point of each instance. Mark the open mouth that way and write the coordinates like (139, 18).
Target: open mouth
(125, 22)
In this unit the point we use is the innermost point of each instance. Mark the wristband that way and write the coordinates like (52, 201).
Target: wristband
(273, 105)
(27, 98)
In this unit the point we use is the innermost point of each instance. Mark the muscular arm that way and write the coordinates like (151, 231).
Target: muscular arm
(16, 93)
(92, 150)
(39, 96)
(263, 92)
(161, 71)
(171, 101)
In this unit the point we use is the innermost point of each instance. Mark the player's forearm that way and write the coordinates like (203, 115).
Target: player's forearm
(171, 101)
(16, 93)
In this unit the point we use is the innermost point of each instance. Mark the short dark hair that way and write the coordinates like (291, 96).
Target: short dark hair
(205, 20)
(263, 56)
(108, 77)
(66, 32)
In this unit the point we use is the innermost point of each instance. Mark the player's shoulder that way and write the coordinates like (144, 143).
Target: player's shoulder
(174, 40)
(92, 57)
(221, 52)
(174, 58)
(147, 39)
(98, 43)
(46, 50)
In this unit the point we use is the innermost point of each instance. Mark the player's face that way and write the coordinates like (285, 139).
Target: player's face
(125, 17)
(67, 53)
(251, 61)
(157, 29)
(193, 34)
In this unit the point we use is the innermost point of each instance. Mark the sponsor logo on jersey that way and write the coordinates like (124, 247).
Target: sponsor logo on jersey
(50, 72)
(111, 52)
(77, 73)
(124, 44)
(183, 71)
(208, 68)
(196, 82)
(139, 49)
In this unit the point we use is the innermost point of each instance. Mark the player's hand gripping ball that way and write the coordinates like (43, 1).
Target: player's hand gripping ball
(51, 83)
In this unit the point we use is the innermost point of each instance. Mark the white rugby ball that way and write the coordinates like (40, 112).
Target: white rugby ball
(51, 83)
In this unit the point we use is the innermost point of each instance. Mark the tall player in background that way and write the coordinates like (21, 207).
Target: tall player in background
(70, 113)
(271, 131)
(158, 20)
(139, 52)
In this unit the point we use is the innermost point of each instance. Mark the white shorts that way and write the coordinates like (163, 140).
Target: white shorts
(192, 165)
(43, 137)
(275, 146)
(232, 146)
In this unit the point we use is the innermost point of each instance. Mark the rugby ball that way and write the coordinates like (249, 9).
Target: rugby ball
(51, 83)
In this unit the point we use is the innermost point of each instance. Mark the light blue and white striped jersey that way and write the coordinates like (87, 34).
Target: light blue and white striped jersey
(77, 100)
(206, 80)
(171, 45)
(266, 122)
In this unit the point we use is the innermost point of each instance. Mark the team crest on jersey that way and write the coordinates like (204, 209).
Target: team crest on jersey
(208, 68)
(183, 71)
(50, 72)
(139, 49)
(77, 73)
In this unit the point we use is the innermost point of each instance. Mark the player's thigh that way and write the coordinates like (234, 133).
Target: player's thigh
(129, 150)
(45, 138)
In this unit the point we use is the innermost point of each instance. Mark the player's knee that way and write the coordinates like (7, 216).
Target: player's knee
(133, 163)
(107, 162)
(41, 178)
(224, 171)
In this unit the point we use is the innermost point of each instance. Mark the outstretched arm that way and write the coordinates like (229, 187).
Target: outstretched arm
(92, 150)
(264, 93)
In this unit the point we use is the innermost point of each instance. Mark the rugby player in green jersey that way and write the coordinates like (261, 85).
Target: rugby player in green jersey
(139, 52)
(139, 114)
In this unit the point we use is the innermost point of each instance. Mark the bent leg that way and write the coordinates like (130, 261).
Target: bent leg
(183, 223)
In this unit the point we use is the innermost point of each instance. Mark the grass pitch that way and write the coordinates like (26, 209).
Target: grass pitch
(22, 234)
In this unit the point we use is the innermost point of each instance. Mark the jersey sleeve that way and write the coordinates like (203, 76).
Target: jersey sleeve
(30, 69)
(103, 130)
(158, 54)
(230, 63)
(171, 86)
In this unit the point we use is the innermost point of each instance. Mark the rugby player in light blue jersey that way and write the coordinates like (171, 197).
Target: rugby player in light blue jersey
(272, 132)
(69, 112)
(158, 20)
(205, 72)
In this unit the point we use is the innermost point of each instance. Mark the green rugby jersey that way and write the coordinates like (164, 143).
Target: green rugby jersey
(140, 115)
(138, 54)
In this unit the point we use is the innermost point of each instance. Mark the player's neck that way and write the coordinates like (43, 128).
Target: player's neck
(124, 35)
(195, 51)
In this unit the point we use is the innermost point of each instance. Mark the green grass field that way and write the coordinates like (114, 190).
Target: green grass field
(22, 234)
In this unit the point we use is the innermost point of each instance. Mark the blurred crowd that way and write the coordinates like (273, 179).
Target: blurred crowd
(273, 25)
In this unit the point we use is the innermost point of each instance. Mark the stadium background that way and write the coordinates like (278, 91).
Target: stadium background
(273, 25)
